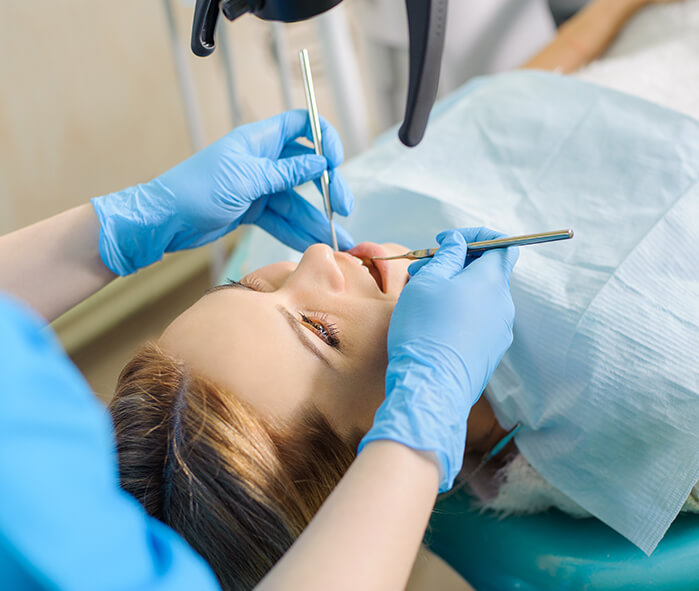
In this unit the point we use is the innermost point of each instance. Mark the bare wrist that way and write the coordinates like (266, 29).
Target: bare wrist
(628, 7)
(614, 9)
(405, 457)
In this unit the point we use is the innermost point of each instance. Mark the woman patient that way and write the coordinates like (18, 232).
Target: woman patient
(236, 425)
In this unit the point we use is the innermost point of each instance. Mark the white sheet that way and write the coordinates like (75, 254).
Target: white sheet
(656, 57)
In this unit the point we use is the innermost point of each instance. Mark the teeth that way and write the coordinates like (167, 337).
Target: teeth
(373, 271)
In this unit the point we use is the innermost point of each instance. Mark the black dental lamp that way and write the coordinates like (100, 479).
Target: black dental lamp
(426, 27)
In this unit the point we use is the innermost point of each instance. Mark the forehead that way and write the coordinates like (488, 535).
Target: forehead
(240, 340)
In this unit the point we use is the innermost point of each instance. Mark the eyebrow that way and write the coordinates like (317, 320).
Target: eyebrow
(302, 334)
(300, 331)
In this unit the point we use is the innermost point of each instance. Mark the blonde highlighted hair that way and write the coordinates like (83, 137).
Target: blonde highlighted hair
(238, 488)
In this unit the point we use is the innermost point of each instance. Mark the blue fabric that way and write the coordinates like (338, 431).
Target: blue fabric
(64, 522)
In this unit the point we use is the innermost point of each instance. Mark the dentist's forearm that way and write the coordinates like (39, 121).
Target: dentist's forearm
(367, 533)
(54, 264)
(585, 36)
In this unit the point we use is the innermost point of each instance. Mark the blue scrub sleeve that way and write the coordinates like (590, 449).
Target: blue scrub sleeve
(64, 521)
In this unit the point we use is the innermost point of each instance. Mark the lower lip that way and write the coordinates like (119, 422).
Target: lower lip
(367, 250)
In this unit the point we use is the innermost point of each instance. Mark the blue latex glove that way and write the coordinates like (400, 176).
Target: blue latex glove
(65, 523)
(246, 177)
(450, 328)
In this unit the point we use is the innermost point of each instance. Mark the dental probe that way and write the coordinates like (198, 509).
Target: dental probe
(485, 458)
(496, 449)
(484, 245)
(317, 137)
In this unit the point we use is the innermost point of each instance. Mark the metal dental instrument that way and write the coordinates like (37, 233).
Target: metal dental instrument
(496, 449)
(317, 137)
(484, 245)
(485, 458)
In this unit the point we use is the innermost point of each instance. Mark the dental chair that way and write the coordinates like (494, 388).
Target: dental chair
(552, 551)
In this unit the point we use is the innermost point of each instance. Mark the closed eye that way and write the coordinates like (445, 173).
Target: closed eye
(321, 329)
(248, 282)
(319, 324)
(251, 282)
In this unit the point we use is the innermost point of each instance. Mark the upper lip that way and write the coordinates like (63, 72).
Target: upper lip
(377, 269)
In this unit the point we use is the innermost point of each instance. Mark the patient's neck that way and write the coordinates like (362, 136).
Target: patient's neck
(484, 431)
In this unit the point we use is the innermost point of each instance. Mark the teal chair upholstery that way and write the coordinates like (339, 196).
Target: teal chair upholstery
(552, 551)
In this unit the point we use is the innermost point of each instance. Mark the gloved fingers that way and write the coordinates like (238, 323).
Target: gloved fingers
(295, 149)
(473, 234)
(450, 258)
(511, 257)
(287, 232)
(296, 124)
(284, 231)
(291, 213)
(344, 238)
(284, 174)
(341, 199)
(491, 273)
(476, 235)
(494, 265)
(470, 235)
(332, 145)
(255, 210)
(416, 266)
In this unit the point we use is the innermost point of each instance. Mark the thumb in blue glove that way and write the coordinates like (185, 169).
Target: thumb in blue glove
(247, 176)
(450, 328)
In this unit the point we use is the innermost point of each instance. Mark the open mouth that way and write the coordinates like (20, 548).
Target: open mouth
(377, 269)
(374, 272)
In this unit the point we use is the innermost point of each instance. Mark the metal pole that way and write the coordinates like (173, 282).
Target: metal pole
(280, 51)
(193, 118)
(195, 125)
(224, 52)
(345, 80)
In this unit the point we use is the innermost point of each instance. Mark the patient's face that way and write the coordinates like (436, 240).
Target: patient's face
(290, 335)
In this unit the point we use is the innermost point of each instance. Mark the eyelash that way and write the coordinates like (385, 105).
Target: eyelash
(324, 329)
(251, 282)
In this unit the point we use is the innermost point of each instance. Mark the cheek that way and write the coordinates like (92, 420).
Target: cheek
(369, 329)
(362, 388)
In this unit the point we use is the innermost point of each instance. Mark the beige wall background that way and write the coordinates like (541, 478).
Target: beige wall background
(89, 104)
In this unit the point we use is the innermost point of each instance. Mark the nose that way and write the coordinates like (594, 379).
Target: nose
(319, 269)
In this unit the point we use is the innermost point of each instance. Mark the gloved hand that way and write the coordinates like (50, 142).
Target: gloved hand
(246, 177)
(450, 328)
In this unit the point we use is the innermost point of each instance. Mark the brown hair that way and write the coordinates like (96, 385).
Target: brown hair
(237, 488)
